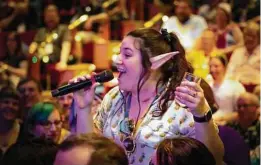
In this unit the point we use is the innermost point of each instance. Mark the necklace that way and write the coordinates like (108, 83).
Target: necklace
(129, 127)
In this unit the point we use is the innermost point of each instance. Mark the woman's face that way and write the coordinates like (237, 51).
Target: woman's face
(129, 64)
(221, 17)
(50, 129)
(217, 69)
(11, 42)
(208, 40)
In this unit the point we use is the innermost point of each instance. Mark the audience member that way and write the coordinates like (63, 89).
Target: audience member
(185, 25)
(30, 93)
(9, 114)
(246, 10)
(248, 124)
(66, 9)
(113, 12)
(205, 47)
(101, 12)
(4, 79)
(244, 64)
(183, 151)
(226, 91)
(150, 73)
(15, 62)
(65, 103)
(52, 43)
(54, 36)
(44, 120)
(209, 11)
(236, 150)
(229, 35)
(35, 151)
(90, 149)
(13, 14)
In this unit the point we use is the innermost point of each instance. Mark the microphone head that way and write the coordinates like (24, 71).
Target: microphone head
(55, 93)
(104, 76)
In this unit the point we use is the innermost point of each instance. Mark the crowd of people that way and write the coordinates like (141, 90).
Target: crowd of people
(152, 115)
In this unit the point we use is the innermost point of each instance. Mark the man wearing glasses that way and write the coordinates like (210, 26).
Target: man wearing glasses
(248, 124)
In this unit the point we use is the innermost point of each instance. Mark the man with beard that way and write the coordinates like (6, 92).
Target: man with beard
(9, 112)
(185, 25)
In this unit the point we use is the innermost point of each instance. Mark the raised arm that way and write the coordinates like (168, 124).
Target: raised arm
(83, 102)
(191, 94)
(20, 72)
(107, 14)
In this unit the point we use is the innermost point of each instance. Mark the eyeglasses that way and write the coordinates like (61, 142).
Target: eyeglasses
(48, 124)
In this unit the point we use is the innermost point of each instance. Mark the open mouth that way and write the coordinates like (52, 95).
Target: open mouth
(9, 114)
(121, 71)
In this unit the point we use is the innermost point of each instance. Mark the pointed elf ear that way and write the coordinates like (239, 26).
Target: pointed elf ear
(159, 60)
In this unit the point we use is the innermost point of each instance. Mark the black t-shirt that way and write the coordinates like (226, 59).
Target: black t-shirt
(62, 34)
(14, 60)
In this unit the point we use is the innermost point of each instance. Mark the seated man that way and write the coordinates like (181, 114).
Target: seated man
(90, 149)
(244, 64)
(52, 44)
(248, 124)
(187, 26)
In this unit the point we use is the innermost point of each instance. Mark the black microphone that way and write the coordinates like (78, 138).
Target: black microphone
(101, 77)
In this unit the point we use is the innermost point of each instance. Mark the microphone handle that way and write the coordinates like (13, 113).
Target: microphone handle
(71, 88)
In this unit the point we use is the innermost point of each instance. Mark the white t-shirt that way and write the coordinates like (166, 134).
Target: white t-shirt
(226, 95)
(187, 32)
(244, 67)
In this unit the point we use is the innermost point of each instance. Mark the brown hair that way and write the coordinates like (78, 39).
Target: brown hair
(209, 95)
(29, 79)
(222, 59)
(152, 43)
(106, 152)
(183, 151)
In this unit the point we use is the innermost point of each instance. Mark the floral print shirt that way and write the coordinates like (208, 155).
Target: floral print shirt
(175, 122)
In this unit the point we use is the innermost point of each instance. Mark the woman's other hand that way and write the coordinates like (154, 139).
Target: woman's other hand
(191, 94)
